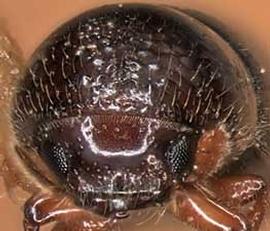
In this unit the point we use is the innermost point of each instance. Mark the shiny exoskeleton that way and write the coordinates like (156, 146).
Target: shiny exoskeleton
(132, 106)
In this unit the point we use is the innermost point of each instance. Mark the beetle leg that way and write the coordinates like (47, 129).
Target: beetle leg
(247, 194)
(44, 209)
(82, 225)
(195, 207)
(241, 199)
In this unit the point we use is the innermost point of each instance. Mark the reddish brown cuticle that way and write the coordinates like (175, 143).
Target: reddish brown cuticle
(121, 107)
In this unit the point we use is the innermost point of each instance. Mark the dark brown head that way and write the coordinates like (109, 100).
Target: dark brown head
(116, 99)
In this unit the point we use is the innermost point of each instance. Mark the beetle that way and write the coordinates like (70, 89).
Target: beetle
(133, 106)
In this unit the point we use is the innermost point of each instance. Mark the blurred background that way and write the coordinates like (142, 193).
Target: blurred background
(30, 21)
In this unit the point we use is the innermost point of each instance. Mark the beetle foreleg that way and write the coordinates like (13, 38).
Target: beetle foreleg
(248, 194)
(44, 209)
(195, 207)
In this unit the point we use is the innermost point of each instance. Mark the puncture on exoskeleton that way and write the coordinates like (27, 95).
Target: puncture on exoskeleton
(127, 107)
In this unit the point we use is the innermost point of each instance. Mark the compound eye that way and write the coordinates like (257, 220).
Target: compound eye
(56, 157)
(179, 155)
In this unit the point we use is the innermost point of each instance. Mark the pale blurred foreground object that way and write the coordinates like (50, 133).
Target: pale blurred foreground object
(11, 66)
